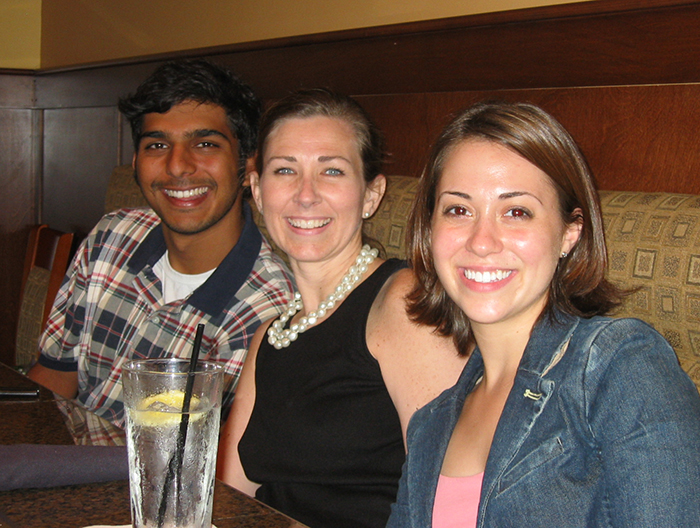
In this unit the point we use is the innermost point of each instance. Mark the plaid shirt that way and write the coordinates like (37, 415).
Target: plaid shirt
(110, 307)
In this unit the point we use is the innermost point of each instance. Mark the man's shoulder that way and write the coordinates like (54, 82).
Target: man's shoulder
(125, 219)
(269, 263)
(125, 225)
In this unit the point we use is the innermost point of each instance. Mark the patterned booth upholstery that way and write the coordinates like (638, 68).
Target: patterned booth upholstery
(653, 244)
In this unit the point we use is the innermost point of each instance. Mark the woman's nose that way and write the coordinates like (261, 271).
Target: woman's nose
(307, 193)
(484, 237)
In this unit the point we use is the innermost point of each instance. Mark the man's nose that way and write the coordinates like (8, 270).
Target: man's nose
(180, 162)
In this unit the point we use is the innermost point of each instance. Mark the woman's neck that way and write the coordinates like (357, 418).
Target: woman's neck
(317, 280)
(502, 347)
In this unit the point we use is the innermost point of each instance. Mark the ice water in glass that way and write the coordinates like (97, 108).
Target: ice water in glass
(154, 392)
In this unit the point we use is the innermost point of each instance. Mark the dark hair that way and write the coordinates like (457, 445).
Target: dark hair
(579, 286)
(323, 102)
(201, 81)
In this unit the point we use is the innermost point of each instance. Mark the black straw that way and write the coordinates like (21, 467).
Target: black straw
(175, 465)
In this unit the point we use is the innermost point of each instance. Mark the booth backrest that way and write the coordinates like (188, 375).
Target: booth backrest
(653, 244)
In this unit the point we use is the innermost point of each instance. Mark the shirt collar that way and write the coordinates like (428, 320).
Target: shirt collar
(219, 290)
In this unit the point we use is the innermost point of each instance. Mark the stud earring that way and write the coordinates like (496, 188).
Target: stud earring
(365, 215)
(564, 254)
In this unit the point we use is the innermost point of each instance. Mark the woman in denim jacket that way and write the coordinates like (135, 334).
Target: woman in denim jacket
(561, 417)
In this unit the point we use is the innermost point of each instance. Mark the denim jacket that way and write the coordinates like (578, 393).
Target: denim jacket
(601, 428)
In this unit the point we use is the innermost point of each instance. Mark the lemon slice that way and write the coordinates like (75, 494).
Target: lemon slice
(164, 409)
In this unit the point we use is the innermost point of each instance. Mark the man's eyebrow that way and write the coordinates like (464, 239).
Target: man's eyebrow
(156, 134)
(194, 134)
(206, 132)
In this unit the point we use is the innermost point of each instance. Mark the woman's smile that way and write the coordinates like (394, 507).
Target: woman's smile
(487, 277)
(311, 223)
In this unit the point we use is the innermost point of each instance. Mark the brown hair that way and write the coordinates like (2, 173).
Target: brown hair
(325, 103)
(579, 286)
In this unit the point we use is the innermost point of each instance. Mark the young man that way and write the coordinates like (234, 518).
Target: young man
(144, 279)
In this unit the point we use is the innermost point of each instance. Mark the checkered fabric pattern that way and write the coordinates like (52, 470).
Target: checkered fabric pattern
(110, 308)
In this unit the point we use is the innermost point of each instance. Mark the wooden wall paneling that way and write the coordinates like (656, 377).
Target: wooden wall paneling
(81, 149)
(402, 119)
(638, 43)
(16, 90)
(18, 191)
(634, 137)
(637, 137)
(100, 85)
(17, 213)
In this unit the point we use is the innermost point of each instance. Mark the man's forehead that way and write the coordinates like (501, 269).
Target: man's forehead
(188, 117)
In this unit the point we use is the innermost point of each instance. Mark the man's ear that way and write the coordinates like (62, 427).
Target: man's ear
(133, 166)
(254, 182)
(249, 167)
(373, 195)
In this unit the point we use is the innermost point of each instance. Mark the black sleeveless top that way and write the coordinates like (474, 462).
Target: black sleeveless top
(324, 438)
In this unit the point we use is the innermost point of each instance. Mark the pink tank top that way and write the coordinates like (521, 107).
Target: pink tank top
(457, 501)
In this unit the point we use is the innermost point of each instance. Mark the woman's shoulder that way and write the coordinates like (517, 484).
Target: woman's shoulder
(631, 352)
(615, 332)
(609, 339)
(399, 285)
(390, 304)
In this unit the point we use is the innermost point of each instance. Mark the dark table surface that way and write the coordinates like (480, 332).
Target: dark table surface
(44, 419)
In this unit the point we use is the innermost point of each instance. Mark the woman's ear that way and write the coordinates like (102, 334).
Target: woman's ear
(254, 180)
(573, 231)
(373, 195)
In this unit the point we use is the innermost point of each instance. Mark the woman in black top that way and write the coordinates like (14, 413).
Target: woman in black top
(325, 396)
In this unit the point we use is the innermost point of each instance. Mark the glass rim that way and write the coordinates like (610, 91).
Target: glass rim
(142, 366)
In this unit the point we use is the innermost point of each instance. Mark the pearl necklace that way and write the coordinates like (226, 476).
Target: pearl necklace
(282, 338)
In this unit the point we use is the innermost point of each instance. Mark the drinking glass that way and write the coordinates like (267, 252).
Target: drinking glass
(172, 455)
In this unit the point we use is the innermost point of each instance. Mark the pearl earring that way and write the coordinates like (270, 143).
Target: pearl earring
(365, 215)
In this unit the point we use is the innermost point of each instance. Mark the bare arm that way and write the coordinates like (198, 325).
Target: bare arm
(229, 468)
(416, 363)
(62, 383)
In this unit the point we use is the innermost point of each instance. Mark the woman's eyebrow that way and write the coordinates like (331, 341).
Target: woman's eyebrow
(324, 159)
(502, 196)
(515, 194)
(458, 194)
